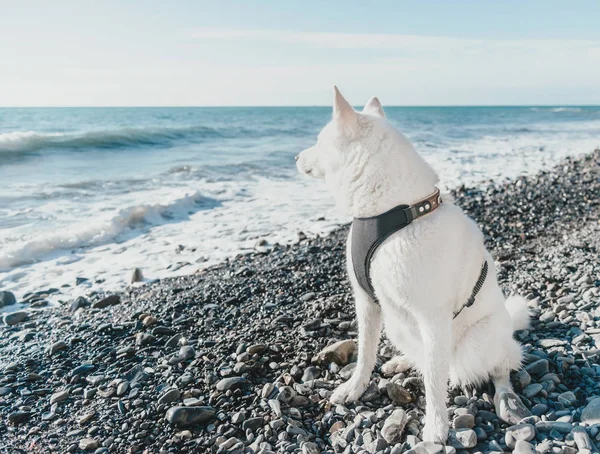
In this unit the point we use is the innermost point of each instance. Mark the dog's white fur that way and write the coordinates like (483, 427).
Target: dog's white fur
(421, 274)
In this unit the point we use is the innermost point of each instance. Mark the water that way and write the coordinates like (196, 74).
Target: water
(95, 192)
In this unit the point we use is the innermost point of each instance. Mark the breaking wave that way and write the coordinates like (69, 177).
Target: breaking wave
(86, 234)
(28, 141)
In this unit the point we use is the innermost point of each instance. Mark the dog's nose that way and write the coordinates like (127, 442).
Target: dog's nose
(296, 157)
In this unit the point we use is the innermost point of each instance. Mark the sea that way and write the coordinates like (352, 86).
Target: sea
(89, 194)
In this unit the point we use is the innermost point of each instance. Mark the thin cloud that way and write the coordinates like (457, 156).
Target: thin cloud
(389, 41)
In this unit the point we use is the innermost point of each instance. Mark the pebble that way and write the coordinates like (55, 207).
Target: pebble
(18, 417)
(550, 426)
(523, 447)
(398, 394)
(57, 346)
(7, 298)
(187, 416)
(427, 447)
(15, 318)
(524, 432)
(246, 319)
(88, 444)
(462, 438)
(591, 412)
(169, 396)
(393, 427)
(466, 421)
(538, 367)
(59, 397)
(111, 300)
(231, 383)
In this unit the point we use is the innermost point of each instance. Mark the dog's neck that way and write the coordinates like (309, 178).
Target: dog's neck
(405, 179)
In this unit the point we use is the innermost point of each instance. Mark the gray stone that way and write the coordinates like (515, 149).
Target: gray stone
(253, 424)
(186, 352)
(18, 417)
(88, 444)
(7, 299)
(310, 448)
(567, 398)
(398, 394)
(57, 346)
(136, 276)
(582, 439)
(549, 426)
(524, 432)
(15, 317)
(347, 371)
(591, 413)
(532, 390)
(462, 438)
(187, 416)
(59, 397)
(111, 300)
(538, 367)
(169, 396)
(393, 427)
(311, 373)
(523, 447)
(466, 421)
(427, 447)
(231, 383)
(522, 379)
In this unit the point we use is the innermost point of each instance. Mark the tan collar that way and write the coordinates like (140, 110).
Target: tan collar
(426, 205)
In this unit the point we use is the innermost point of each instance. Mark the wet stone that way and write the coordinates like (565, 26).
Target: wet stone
(393, 427)
(169, 396)
(231, 383)
(15, 318)
(186, 416)
(462, 438)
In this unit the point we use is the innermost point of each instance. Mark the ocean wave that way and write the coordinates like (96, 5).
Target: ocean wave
(29, 141)
(17, 142)
(556, 109)
(127, 221)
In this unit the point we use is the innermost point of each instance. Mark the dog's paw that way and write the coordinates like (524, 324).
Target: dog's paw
(510, 408)
(395, 366)
(436, 430)
(348, 392)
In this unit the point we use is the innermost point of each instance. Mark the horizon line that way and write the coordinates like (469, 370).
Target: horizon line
(150, 106)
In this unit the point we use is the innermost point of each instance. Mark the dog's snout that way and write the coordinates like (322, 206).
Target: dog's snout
(297, 157)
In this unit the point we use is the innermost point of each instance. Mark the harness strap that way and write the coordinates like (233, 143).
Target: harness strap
(369, 233)
(476, 289)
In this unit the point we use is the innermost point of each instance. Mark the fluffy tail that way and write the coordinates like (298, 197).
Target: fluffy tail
(519, 311)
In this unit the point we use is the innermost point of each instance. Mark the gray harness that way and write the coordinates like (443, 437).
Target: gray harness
(369, 233)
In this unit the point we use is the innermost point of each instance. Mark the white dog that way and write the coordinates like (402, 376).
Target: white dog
(421, 275)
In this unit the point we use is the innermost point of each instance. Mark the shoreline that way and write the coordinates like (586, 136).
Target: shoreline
(240, 343)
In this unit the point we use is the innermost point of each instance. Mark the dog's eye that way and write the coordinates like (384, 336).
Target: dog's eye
(309, 171)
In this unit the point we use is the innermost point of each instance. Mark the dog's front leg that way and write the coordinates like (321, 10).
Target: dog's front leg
(369, 332)
(436, 336)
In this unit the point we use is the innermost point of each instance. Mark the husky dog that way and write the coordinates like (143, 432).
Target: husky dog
(421, 276)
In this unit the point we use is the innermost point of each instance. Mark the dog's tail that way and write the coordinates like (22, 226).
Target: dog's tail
(519, 311)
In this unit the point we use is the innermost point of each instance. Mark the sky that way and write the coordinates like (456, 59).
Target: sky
(260, 53)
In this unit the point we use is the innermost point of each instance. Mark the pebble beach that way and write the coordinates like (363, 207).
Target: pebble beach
(243, 356)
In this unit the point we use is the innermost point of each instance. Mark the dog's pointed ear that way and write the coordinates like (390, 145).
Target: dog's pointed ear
(342, 110)
(374, 107)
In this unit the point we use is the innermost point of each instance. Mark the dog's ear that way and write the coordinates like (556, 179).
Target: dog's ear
(342, 110)
(374, 107)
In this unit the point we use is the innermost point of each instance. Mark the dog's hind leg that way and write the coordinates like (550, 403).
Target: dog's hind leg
(437, 343)
(369, 332)
(396, 365)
